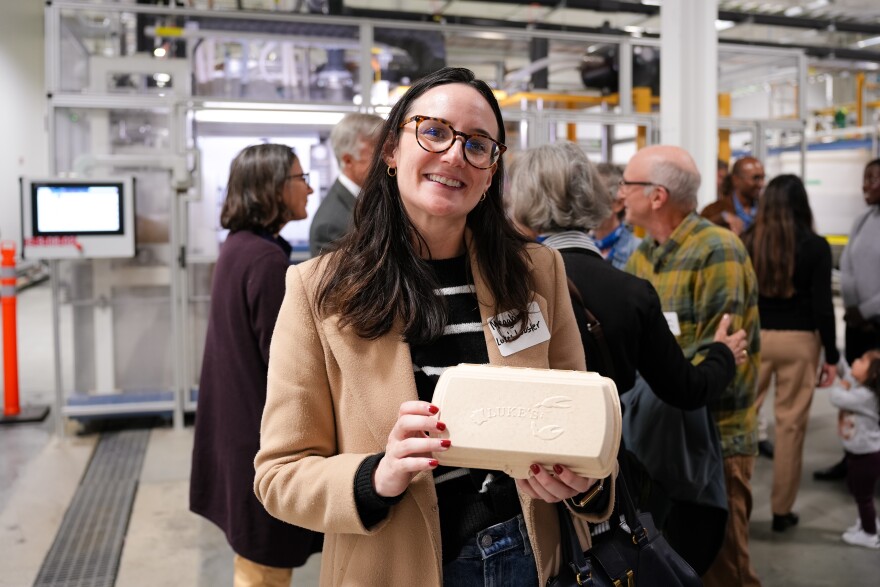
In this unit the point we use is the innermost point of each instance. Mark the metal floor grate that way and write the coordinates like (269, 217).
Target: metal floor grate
(88, 545)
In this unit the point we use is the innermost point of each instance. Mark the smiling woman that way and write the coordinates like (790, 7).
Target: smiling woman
(432, 258)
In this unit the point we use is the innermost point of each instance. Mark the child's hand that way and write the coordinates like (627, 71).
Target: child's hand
(844, 383)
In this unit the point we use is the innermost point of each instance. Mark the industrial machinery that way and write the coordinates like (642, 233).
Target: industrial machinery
(168, 94)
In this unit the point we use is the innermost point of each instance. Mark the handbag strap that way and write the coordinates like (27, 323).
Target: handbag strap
(612, 560)
(630, 514)
(572, 555)
(594, 327)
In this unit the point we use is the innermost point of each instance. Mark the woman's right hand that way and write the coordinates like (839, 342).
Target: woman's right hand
(409, 449)
(736, 342)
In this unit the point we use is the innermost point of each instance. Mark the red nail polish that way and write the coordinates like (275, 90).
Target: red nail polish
(445, 443)
(433, 462)
(558, 469)
(441, 426)
(433, 410)
(535, 469)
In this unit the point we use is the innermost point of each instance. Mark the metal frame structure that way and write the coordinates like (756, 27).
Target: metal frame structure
(182, 163)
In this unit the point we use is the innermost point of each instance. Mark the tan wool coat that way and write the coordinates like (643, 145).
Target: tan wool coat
(332, 400)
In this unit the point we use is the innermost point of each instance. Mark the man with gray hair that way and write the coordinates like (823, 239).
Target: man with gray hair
(613, 236)
(353, 140)
(702, 272)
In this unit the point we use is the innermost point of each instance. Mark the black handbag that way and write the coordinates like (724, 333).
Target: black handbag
(633, 554)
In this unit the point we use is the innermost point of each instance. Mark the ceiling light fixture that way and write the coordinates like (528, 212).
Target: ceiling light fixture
(868, 42)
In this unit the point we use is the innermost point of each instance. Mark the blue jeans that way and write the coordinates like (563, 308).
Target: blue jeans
(499, 556)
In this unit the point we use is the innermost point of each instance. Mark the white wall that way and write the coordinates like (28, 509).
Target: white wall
(217, 153)
(834, 185)
(22, 106)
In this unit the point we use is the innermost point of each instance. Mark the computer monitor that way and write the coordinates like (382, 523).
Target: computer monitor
(77, 218)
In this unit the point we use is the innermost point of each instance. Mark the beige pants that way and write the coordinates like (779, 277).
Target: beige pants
(793, 357)
(250, 574)
(732, 567)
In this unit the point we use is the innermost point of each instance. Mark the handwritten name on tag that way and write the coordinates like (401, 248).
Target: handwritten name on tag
(506, 325)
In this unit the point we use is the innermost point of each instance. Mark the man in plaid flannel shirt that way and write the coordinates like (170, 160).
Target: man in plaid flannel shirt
(701, 272)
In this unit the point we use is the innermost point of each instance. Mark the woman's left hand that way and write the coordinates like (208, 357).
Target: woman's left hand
(827, 375)
(563, 484)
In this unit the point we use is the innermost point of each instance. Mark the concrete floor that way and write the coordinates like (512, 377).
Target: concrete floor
(166, 545)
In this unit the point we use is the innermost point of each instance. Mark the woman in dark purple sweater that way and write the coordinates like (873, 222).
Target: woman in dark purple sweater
(266, 189)
(793, 265)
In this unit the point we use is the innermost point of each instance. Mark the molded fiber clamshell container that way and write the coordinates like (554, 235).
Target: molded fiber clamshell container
(506, 418)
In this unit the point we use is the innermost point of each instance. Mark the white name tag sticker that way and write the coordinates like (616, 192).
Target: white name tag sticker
(506, 325)
(672, 320)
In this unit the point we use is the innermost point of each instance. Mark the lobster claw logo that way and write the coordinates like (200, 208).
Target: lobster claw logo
(551, 431)
(543, 410)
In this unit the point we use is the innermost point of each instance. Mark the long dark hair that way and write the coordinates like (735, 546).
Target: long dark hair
(377, 274)
(783, 216)
(254, 190)
(872, 375)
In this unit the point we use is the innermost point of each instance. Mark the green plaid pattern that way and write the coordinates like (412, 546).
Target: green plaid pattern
(702, 272)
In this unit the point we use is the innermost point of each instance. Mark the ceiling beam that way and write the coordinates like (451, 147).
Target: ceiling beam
(826, 24)
(819, 51)
(798, 22)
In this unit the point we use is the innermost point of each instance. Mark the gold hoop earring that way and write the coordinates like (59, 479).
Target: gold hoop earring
(483, 197)
(391, 171)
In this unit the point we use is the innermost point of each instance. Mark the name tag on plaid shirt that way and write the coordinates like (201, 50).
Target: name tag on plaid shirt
(672, 321)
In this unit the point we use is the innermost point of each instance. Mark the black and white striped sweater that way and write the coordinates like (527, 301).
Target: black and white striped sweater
(469, 500)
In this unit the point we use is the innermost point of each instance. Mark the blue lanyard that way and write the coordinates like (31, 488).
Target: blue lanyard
(610, 239)
(747, 219)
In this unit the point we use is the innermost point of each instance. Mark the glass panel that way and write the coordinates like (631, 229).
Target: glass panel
(760, 86)
(85, 34)
(262, 61)
(120, 327)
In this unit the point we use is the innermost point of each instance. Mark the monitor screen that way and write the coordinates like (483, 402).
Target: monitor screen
(61, 209)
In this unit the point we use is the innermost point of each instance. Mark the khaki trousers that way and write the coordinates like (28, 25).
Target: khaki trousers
(732, 567)
(793, 357)
(247, 573)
